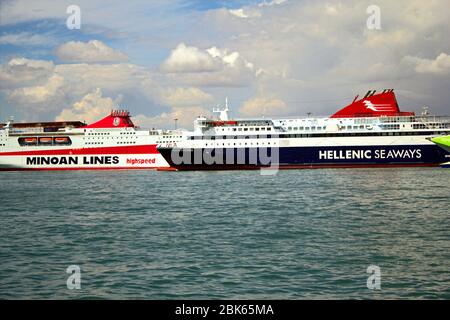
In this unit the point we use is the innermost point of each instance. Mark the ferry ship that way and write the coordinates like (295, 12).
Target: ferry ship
(113, 142)
(369, 132)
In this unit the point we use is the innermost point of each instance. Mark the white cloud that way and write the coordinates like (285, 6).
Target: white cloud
(262, 106)
(92, 107)
(179, 97)
(296, 51)
(22, 72)
(92, 51)
(38, 87)
(232, 59)
(26, 39)
(49, 91)
(83, 77)
(322, 50)
(185, 118)
(440, 65)
(238, 13)
(245, 13)
(189, 59)
(212, 67)
(75, 91)
(399, 37)
(271, 3)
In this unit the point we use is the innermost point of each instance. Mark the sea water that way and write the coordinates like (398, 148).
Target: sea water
(298, 234)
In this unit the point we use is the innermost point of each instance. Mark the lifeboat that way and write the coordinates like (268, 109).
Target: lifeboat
(45, 140)
(62, 140)
(30, 140)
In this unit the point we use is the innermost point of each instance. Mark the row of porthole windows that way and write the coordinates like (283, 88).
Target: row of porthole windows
(107, 133)
(390, 126)
(98, 133)
(431, 126)
(248, 129)
(112, 137)
(240, 144)
(120, 142)
(310, 128)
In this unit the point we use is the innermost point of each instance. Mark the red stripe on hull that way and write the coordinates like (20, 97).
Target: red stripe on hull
(145, 149)
(167, 169)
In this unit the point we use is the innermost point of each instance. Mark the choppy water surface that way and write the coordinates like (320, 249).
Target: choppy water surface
(202, 235)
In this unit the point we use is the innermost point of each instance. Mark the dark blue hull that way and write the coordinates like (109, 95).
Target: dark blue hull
(305, 157)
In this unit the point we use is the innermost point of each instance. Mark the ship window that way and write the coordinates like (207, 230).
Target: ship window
(44, 141)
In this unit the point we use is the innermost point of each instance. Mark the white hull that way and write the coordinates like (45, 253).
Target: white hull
(82, 162)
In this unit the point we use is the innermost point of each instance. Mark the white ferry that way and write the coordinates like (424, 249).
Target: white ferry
(114, 142)
(370, 132)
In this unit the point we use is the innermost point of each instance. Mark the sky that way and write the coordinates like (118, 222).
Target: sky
(177, 59)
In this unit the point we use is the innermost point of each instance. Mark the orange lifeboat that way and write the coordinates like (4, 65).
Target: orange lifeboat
(30, 140)
(45, 140)
(62, 140)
